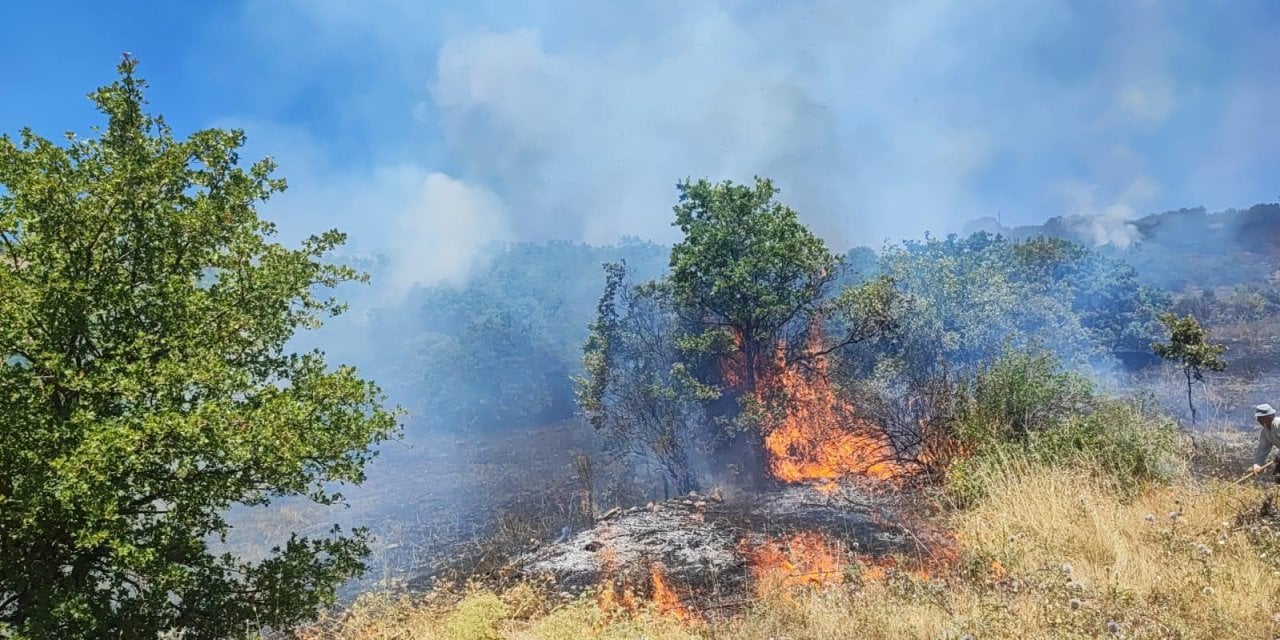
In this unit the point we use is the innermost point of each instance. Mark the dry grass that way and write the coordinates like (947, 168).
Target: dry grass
(1046, 554)
(1177, 562)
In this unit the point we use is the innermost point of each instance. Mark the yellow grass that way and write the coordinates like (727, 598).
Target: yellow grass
(1046, 554)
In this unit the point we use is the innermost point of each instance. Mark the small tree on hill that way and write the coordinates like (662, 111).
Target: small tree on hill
(146, 386)
(1189, 347)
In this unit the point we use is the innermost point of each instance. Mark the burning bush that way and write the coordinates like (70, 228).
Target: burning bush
(694, 360)
(812, 434)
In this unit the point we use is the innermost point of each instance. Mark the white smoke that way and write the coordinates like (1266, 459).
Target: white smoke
(877, 120)
(442, 229)
(1110, 222)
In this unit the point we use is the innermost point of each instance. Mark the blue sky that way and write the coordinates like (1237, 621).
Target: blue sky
(429, 129)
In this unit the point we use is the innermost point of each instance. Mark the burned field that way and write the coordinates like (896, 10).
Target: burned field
(807, 457)
(709, 551)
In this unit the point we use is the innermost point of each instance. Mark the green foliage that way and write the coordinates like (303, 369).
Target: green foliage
(1190, 348)
(966, 299)
(145, 386)
(747, 279)
(746, 264)
(1241, 303)
(1024, 411)
(1128, 440)
(477, 617)
(600, 347)
(637, 389)
(1020, 393)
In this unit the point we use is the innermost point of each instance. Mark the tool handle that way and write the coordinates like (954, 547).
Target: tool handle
(1252, 474)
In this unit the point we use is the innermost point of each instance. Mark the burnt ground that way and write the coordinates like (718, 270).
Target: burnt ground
(452, 506)
(431, 500)
(461, 505)
(704, 543)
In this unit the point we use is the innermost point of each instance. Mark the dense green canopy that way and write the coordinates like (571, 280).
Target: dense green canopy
(146, 385)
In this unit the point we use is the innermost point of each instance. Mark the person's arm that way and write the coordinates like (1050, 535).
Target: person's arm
(1264, 447)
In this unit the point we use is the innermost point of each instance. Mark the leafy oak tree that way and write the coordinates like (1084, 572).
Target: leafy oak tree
(746, 264)
(146, 386)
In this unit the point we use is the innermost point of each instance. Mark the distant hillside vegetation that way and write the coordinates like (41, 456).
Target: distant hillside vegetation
(1176, 249)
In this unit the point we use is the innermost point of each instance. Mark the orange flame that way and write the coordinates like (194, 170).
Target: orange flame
(664, 597)
(612, 601)
(877, 569)
(619, 596)
(804, 559)
(815, 436)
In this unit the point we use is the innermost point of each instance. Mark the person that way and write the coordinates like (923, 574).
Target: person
(1268, 437)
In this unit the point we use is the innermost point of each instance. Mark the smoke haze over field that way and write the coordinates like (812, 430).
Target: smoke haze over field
(486, 157)
(429, 129)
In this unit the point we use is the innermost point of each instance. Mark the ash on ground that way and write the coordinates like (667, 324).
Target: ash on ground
(699, 540)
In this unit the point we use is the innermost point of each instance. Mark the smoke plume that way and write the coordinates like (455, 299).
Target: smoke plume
(573, 120)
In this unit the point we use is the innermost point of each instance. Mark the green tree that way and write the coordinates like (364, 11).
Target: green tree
(636, 387)
(971, 297)
(1190, 348)
(747, 264)
(747, 280)
(146, 386)
(499, 352)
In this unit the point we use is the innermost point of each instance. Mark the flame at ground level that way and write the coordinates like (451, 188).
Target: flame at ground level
(663, 597)
(812, 559)
(876, 569)
(803, 559)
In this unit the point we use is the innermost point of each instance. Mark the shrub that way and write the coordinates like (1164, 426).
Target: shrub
(1023, 412)
(1125, 440)
(475, 617)
(1021, 392)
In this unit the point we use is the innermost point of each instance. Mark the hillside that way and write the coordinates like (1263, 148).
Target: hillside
(1187, 248)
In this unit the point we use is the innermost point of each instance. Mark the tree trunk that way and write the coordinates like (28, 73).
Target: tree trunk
(740, 455)
(1190, 403)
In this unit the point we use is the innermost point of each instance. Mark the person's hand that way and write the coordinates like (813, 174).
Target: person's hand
(1255, 469)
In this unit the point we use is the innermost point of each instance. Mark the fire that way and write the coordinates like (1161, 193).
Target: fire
(804, 559)
(619, 596)
(663, 595)
(998, 572)
(611, 599)
(816, 436)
